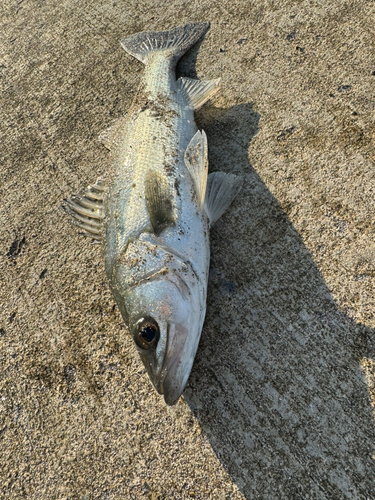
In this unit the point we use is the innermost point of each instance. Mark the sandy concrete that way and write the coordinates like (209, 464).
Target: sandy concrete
(281, 397)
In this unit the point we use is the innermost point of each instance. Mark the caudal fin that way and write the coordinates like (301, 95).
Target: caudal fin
(174, 42)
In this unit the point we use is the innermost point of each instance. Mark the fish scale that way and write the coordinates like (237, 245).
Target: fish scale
(154, 215)
(172, 137)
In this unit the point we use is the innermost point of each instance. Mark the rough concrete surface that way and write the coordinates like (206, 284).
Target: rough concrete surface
(280, 402)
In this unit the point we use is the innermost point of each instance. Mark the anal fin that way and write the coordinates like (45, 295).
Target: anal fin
(86, 209)
(196, 161)
(196, 91)
(221, 190)
(159, 197)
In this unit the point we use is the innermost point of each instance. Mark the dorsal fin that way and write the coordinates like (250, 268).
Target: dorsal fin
(196, 161)
(86, 208)
(221, 190)
(159, 201)
(197, 92)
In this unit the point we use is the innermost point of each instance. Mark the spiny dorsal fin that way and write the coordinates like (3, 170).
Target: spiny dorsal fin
(175, 41)
(159, 201)
(86, 209)
(196, 161)
(197, 92)
(221, 190)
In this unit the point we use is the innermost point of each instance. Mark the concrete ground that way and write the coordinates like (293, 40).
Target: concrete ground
(280, 403)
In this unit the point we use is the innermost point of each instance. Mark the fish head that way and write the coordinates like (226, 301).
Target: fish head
(165, 321)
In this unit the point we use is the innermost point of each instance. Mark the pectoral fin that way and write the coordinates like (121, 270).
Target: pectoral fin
(221, 190)
(197, 92)
(159, 201)
(196, 161)
(86, 209)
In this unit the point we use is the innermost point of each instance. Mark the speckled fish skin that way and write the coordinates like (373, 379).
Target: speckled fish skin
(158, 209)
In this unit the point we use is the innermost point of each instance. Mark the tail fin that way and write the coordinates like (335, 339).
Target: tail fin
(176, 41)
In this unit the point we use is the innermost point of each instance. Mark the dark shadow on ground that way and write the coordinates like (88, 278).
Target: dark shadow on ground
(277, 384)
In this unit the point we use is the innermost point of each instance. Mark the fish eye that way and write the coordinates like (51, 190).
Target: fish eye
(146, 333)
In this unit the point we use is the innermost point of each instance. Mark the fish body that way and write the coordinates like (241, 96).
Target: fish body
(154, 212)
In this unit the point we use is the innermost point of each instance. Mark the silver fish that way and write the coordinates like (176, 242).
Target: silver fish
(154, 211)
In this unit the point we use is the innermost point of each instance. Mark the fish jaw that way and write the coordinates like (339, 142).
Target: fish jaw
(178, 363)
(170, 376)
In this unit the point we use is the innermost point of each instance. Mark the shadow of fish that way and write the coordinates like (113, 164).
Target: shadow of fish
(154, 212)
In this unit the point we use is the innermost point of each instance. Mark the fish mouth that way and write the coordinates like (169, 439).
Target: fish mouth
(177, 363)
(161, 379)
(172, 387)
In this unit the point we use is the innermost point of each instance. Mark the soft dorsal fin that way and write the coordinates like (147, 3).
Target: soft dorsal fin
(174, 42)
(159, 201)
(196, 161)
(86, 209)
(197, 92)
(221, 190)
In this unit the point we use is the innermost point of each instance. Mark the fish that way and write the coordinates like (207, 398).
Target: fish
(153, 212)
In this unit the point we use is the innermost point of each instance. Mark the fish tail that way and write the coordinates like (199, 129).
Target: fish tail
(174, 42)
